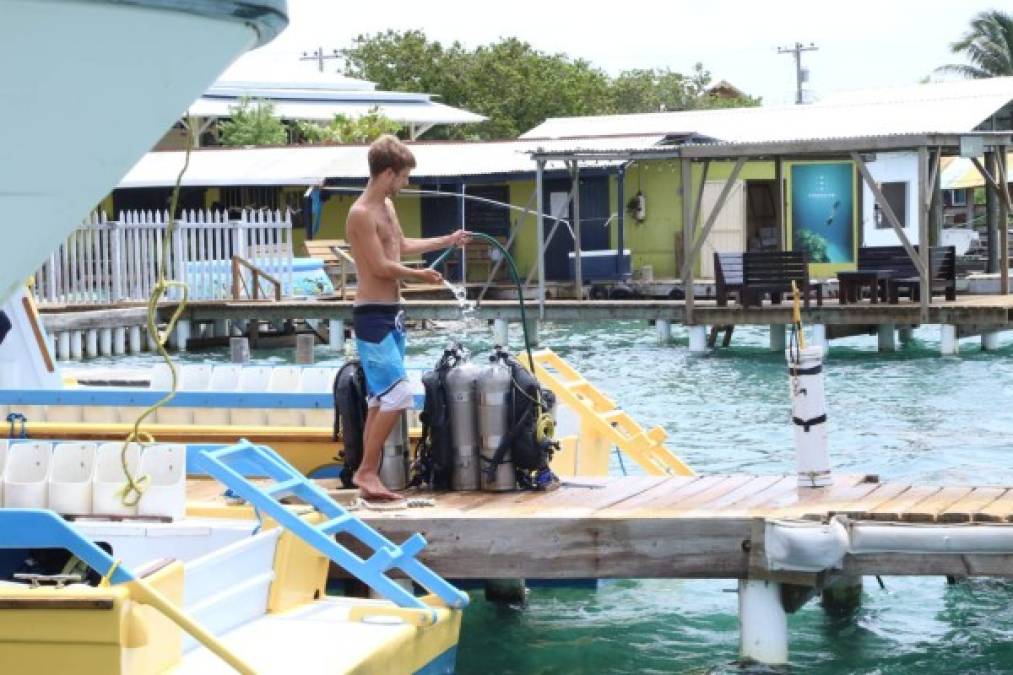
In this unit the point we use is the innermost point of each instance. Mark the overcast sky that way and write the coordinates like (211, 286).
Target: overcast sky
(862, 43)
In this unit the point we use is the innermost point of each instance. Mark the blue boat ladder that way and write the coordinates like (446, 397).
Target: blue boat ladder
(220, 463)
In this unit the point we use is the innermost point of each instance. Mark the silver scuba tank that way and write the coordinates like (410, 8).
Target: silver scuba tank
(493, 417)
(394, 458)
(461, 397)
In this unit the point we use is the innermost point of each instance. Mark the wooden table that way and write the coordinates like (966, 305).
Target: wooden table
(852, 282)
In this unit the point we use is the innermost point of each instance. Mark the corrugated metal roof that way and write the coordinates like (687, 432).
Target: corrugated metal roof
(310, 165)
(936, 108)
(421, 110)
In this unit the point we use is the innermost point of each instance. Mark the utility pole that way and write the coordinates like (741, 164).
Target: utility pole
(797, 51)
(319, 56)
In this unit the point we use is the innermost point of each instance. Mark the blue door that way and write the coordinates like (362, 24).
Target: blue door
(594, 221)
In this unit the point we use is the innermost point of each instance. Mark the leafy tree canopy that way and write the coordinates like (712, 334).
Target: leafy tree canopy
(343, 129)
(517, 86)
(987, 45)
(253, 123)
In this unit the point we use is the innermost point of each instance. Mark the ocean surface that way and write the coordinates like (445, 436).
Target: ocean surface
(910, 415)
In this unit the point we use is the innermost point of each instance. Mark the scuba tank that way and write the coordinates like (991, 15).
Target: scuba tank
(461, 397)
(494, 388)
(394, 457)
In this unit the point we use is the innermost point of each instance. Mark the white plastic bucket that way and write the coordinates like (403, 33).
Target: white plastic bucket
(26, 478)
(70, 482)
(109, 479)
(165, 494)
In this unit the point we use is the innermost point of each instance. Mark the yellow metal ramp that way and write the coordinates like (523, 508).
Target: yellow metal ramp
(603, 424)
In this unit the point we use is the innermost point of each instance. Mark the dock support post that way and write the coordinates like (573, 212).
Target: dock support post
(63, 346)
(336, 338)
(948, 344)
(135, 339)
(905, 335)
(887, 337)
(119, 341)
(533, 332)
(105, 341)
(763, 623)
(511, 591)
(151, 340)
(501, 332)
(778, 341)
(664, 328)
(304, 344)
(91, 343)
(809, 416)
(75, 345)
(820, 337)
(698, 339)
(239, 349)
(843, 596)
(182, 334)
(990, 340)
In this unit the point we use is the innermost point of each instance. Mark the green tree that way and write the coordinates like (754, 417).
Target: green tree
(253, 123)
(988, 46)
(343, 129)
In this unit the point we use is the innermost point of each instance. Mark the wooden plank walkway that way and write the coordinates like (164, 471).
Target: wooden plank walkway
(679, 527)
(967, 310)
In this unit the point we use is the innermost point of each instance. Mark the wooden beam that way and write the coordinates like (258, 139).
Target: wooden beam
(884, 206)
(540, 236)
(713, 216)
(925, 269)
(1004, 211)
(686, 185)
(578, 274)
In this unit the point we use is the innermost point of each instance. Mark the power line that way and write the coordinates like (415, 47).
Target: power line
(800, 74)
(319, 56)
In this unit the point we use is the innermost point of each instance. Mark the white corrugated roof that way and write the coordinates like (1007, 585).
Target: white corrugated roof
(417, 110)
(310, 165)
(934, 108)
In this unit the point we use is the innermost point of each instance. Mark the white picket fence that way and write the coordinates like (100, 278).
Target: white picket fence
(108, 261)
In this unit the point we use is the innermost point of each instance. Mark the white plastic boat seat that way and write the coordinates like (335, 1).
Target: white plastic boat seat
(318, 418)
(195, 377)
(110, 480)
(285, 379)
(64, 413)
(70, 482)
(3, 464)
(225, 378)
(160, 378)
(254, 378)
(166, 415)
(165, 494)
(317, 380)
(26, 477)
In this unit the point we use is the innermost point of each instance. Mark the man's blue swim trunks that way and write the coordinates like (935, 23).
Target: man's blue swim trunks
(380, 339)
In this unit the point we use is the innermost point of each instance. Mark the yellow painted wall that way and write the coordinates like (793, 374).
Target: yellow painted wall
(335, 213)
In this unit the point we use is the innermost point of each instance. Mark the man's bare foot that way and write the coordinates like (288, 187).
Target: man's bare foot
(370, 487)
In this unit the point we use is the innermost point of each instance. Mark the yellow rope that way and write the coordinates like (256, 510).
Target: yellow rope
(136, 486)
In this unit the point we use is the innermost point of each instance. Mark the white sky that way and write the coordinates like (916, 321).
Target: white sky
(862, 43)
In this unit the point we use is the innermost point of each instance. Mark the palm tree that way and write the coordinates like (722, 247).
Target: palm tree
(988, 45)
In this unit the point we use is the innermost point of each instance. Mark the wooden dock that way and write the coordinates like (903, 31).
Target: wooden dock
(679, 527)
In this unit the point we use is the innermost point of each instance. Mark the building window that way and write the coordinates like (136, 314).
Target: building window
(960, 198)
(896, 197)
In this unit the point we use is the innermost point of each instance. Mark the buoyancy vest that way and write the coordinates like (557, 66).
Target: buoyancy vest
(350, 417)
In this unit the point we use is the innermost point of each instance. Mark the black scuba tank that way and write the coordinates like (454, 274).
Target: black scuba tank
(350, 417)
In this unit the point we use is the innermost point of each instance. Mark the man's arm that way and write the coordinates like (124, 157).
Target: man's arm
(370, 257)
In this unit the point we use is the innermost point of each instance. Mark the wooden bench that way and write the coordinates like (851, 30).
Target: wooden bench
(772, 272)
(337, 258)
(727, 276)
(889, 269)
(942, 275)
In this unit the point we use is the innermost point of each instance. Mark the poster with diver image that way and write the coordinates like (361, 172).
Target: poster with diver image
(823, 211)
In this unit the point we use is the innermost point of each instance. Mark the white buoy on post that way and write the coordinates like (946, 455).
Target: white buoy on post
(697, 339)
(664, 328)
(501, 332)
(763, 623)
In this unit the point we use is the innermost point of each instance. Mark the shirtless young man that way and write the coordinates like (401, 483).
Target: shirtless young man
(377, 243)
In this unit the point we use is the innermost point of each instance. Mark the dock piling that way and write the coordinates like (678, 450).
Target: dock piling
(533, 332)
(239, 349)
(664, 328)
(697, 339)
(843, 596)
(948, 343)
(182, 334)
(887, 337)
(501, 332)
(119, 341)
(304, 344)
(63, 346)
(763, 623)
(105, 341)
(820, 338)
(905, 335)
(75, 345)
(135, 340)
(990, 340)
(336, 337)
(511, 591)
(809, 415)
(91, 343)
(778, 341)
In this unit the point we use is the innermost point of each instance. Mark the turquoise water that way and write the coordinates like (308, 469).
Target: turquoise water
(910, 415)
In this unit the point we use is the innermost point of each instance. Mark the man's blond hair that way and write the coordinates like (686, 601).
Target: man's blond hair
(388, 152)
